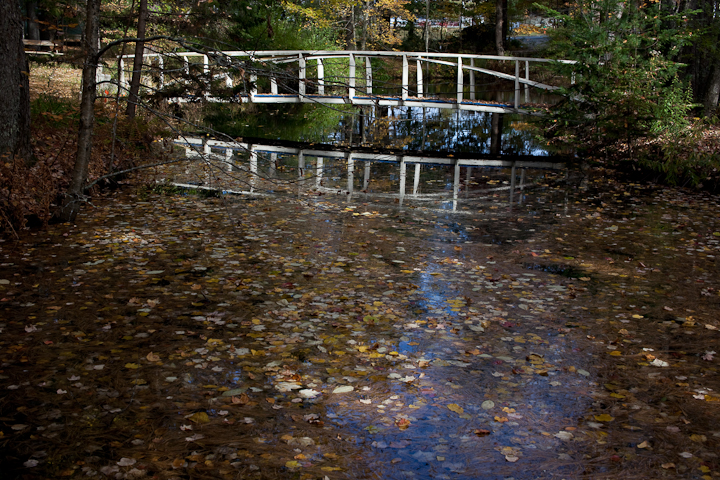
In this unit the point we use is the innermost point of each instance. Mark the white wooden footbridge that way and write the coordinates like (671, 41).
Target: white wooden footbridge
(346, 77)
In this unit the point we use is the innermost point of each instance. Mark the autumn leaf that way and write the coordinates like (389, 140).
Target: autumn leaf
(454, 407)
(604, 418)
(199, 417)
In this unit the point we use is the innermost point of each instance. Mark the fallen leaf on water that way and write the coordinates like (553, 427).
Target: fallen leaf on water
(344, 389)
(152, 357)
(481, 432)
(199, 417)
(454, 407)
(604, 418)
(402, 423)
(132, 366)
(126, 462)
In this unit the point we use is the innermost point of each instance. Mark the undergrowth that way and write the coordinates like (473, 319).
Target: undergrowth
(30, 191)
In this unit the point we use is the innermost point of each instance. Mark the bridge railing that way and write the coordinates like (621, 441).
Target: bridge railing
(350, 85)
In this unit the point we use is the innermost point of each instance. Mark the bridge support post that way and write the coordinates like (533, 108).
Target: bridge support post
(229, 159)
(456, 185)
(416, 180)
(186, 65)
(403, 176)
(513, 174)
(253, 167)
(301, 76)
(321, 76)
(517, 84)
(460, 81)
(368, 76)
(351, 173)
(273, 85)
(206, 65)
(472, 80)
(351, 78)
(273, 165)
(301, 165)
(318, 171)
(404, 94)
(419, 79)
(366, 176)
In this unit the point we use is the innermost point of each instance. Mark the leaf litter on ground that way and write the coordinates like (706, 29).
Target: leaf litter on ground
(258, 337)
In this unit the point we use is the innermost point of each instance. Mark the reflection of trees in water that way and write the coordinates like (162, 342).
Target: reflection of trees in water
(408, 128)
(465, 132)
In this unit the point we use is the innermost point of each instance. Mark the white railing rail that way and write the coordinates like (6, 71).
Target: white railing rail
(415, 94)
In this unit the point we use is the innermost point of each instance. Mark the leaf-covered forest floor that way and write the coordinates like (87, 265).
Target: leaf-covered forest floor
(311, 337)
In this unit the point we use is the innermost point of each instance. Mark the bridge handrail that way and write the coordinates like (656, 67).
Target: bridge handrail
(302, 95)
(314, 54)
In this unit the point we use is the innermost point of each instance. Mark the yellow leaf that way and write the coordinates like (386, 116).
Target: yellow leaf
(454, 407)
(604, 418)
(199, 417)
(292, 464)
(616, 353)
(132, 366)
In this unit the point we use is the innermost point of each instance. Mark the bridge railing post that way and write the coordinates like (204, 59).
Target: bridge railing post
(273, 83)
(301, 76)
(321, 76)
(472, 80)
(527, 77)
(161, 67)
(368, 76)
(419, 80)
(121, 66)
(351, 78)
(404, 94)
(517, 84)
(253, 86)
(459, 81)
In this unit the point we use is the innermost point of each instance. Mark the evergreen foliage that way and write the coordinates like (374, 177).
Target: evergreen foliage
(627, 82)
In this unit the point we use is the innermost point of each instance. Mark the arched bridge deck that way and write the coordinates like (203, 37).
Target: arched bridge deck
(346, 77)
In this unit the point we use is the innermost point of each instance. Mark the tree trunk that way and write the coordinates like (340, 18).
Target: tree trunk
(14, 84)
(499, 27)
(712, 93)
(133, 98)
(74, 196)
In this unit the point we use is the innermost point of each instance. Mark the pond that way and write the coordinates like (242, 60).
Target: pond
(164, 334)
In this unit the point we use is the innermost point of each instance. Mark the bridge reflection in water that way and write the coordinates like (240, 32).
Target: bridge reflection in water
(255, 169)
